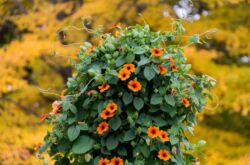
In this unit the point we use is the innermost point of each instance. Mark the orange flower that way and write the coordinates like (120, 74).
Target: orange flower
(116, 25)
(112, 107)
(164, 155)
(105, 114)
(56, 107)
(103, 87)
(134, 85)
(102, 127)
(153, 132)
(103, 161)
(90, 49)
(123, 74)
(63, 93)
(174, 68)
(116, 161)
(44, 117)
(185, 102)
(164, 136)
(117, 33)
(156, 52)
(129, 67)
(162, 69)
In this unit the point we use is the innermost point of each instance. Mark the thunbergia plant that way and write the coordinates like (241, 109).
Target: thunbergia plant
(131, 101)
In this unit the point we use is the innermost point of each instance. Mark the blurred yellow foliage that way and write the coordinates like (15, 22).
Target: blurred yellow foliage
(38, 61)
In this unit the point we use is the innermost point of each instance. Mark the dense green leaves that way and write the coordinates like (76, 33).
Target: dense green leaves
(113, 116)
(82, 145)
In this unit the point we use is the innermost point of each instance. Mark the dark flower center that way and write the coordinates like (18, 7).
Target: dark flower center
(116, 162)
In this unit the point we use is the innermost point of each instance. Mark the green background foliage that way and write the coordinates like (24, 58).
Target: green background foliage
(30, 70)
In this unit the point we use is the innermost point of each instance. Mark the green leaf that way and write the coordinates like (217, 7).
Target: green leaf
(115, 123)
(170, 100)
(159, 121)
(129, 135)
(138, 103)
(130, 58)
(144, 150)
(73, 132)
(73, 108)
(84, 127)
(112, 142)
(149, 73)
(156, 99)
(127, 98)
(170, 110)
(66, 105)
(173, 140)
(120, 61)
(143, 61)
(82, 145)
(139, 50)
(122, 151)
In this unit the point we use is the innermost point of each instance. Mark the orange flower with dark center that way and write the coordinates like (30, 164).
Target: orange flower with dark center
(156, 52)
(185, 102)
(102, 127)
(174, 68)
(129, 67)
(164, 155)
(116, 161)
(90, 49)
(163, 136)
(112, 107)
(162, 69)
(123, 74)
(134, 85)
(56, 107)
(105, 114)
(103, 87)
(153, 132)
(103, 161)
(44, 117)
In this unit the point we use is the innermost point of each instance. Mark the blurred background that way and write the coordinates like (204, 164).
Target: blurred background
(37, 41)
